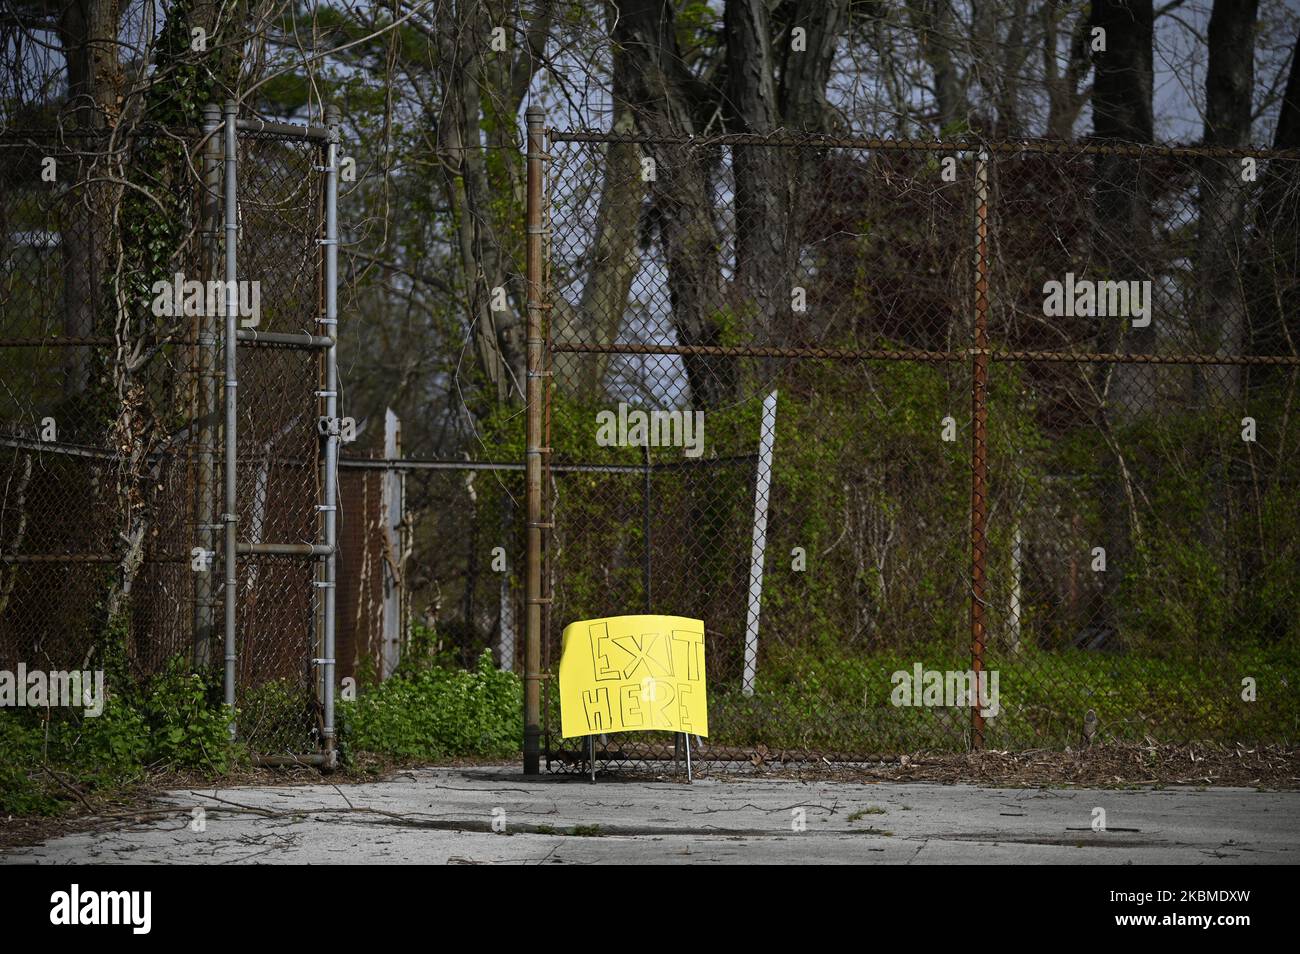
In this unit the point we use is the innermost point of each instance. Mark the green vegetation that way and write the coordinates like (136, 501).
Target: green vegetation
(433, 712)
(175, 722)
(172, 721)
(841, 703)
(878, 503)
(862, 813)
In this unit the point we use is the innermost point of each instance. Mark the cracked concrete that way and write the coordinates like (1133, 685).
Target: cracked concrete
(446, 815)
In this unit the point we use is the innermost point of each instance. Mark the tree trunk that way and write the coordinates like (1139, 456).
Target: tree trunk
(485, 188)
(1275, 264)
(1220, 307)
(1122, 110)
(1064, 98)
(88, 36)
(1229, 81)
(935, 26)
(761, 172)
(615, 257)
(804, 75)
(664, 96)
(767, 230)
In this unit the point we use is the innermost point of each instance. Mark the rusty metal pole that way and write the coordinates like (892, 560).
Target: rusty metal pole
(979, 442)
(646, 531)
(534, 451)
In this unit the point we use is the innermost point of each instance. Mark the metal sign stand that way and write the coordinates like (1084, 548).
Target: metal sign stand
(680, 739)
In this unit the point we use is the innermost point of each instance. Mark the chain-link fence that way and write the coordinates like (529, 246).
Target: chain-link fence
(433, 552)
(122, 257)
(94, 498)
(1028, 477)
(467, 559)
(280, 614)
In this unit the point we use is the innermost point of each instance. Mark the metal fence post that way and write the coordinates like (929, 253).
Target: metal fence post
(979, 443)
(533, 454)
(758, 546)
(394, 582)
(506, 635)
(232, 383)
(206, 404)
(330, 476)
(647, 531)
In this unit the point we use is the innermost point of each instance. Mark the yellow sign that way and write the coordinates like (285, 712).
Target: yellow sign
(626, 673)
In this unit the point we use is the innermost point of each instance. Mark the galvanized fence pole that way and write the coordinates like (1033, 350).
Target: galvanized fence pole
(534, 450)
(206, 390)
(548, 469)
(329, 477)
(979, 444)
(229, 516)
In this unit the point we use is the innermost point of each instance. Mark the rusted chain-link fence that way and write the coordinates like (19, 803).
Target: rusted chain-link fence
(454, 553)
(1029, 475)
(65, 493)
(112, 402)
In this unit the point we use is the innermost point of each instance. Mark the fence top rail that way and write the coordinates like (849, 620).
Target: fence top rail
(283, 130)
(414, 464)
(784, 138)
(19, 137)
(911, 354)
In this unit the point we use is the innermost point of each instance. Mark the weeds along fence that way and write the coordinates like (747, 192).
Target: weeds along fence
(168, 451)
(1017, 412)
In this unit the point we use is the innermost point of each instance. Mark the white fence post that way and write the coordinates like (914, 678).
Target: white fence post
(762, 486)
(1017, 560)
(393, 504)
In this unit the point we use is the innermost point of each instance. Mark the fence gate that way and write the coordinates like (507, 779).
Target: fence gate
(958, 445)
(283, 429)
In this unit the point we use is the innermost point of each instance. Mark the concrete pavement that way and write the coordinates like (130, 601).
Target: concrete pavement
(496, 815)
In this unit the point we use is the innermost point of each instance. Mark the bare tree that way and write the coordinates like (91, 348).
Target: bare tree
(483, 90)
(668, 100)
(1229, 84)
(615, 252)
(1066, 94)
(1122, 110)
